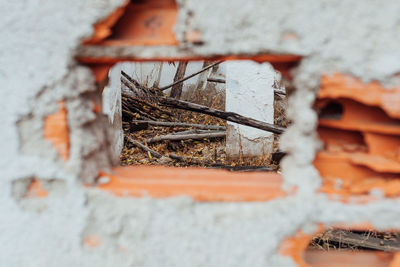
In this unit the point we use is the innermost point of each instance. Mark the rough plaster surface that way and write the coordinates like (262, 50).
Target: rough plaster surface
(38, 40)
(249, 92)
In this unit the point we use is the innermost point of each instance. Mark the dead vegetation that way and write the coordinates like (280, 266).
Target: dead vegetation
(203, 152)
(205, 149)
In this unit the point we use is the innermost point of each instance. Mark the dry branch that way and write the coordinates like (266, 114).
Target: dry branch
(178, 137)
(130, 109)
(191, 75)
(180, 124)
(143, 147)
(144, 103)
(229, 116)
(136, 84)
(176, 90)
(193, 131)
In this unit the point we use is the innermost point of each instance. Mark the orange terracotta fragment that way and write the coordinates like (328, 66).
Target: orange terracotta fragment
(56, 130)
(36, 190)
(342, 176)
(96, 107)
(102, 29)
(148, 22)
(334, 258)
(383, 145)
(360, 117)
(336, 140)
(360, 127)
(396, 260)
(372, 94)
(100, 71)
(296, 246)
(200, 184)
(92, 241)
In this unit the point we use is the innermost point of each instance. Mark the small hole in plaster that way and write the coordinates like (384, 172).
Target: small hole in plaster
(331, 111)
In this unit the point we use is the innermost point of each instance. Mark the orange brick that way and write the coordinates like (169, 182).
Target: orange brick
(56, 130)
(201, 184)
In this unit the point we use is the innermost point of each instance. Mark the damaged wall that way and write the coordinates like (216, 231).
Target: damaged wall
(76, 226)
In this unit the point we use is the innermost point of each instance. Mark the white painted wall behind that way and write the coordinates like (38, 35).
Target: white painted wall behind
(249, 92)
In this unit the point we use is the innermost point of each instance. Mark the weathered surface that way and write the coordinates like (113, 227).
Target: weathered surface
(249, 92)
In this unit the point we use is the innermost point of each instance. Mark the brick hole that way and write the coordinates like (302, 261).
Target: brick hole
(207, 152)
(344, 247)
(360, 153)
(331, 111)
(99, 57)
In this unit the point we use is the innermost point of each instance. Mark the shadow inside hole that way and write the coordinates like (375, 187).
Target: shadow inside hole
(331, 111)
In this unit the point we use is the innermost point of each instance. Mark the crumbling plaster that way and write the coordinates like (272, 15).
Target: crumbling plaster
(38, 40)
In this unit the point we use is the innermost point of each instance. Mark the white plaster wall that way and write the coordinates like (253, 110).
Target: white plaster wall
(37, 68)
(249, 92)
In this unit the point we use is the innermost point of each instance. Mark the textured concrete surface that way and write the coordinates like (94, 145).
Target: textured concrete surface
(39, 40)
(249, 92)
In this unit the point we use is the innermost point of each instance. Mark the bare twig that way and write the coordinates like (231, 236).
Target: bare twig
(143, 147)
(127, 110)
(145, 93)
(190, 76)
(144, 103)
(135, 83)
(176, 137)
(193, 131)
(229, 116)
(180, 124)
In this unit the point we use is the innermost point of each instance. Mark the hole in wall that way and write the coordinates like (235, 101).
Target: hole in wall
(352, 248)
(184, 124)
